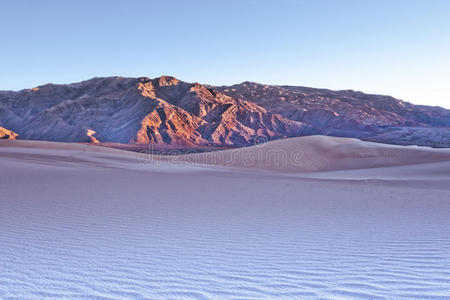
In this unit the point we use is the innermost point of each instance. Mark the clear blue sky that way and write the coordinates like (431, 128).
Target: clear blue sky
(400, 48)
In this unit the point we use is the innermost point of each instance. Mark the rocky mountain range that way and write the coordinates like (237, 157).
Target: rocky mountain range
(167, 111)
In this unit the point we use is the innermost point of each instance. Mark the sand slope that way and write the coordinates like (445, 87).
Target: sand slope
(88, 222)
(320, 153)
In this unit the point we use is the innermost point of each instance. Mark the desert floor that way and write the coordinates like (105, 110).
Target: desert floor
(313, 217)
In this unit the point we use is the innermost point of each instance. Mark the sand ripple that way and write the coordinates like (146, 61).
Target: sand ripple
(191, 236)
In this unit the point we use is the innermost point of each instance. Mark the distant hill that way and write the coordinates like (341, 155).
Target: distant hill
(167, 111)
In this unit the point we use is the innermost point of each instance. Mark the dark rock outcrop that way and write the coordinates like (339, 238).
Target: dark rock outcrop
(6, 134)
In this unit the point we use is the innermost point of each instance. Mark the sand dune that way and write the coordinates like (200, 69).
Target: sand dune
(88, 222)
(303, 154)
(320, 153)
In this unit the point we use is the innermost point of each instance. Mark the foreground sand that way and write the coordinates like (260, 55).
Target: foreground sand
(372, 221)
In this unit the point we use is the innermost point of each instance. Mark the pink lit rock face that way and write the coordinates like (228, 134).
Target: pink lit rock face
(141, 110)
(167, 111)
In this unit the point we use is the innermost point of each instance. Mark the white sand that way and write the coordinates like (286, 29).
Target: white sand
(89, 222)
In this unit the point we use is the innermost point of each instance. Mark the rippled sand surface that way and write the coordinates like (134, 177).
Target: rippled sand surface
(77, 230)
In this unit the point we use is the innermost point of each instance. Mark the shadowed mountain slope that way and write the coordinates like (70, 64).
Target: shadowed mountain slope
(350, 113)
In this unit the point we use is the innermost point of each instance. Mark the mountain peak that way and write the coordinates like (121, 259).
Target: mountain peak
(167, 80)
